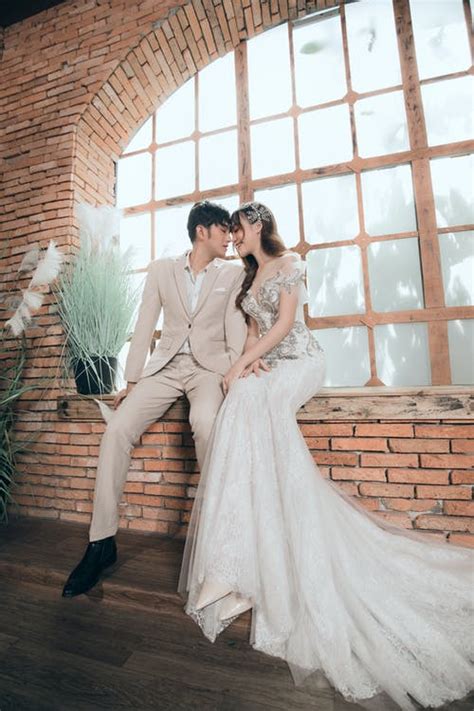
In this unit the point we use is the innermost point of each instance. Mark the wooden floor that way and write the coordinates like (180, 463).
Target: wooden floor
(127, 644)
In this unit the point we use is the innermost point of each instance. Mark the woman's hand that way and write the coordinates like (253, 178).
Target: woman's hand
(255, 368)
(232, 375)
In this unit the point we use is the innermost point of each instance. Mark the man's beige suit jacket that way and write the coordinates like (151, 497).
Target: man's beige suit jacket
(216, 330)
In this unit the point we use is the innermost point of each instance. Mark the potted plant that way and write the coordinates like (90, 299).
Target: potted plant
(96, 301)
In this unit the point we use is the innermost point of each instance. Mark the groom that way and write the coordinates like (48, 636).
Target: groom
(203, 335)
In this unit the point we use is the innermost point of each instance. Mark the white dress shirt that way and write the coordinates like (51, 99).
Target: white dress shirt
(193, 287)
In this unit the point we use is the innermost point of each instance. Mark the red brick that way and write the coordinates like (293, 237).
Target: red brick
(359, 444)
(165, 489)
(443, 492)
(412, 504)
(445, 523)
(389, 460)
(459, 508)
(444, 461)
(139, 524)
(462, 539)
(449, 431)
(334, 458)
(387, 430)
(463, 445)
(418, 476)
(317, 442)
(419, 445)
(358, 474)
(326, 430)
(376, 489)
(462, 477)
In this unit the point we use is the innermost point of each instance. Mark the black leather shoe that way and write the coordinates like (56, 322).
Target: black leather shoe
(99, 555)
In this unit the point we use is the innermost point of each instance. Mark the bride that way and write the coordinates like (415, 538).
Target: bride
(332, 588)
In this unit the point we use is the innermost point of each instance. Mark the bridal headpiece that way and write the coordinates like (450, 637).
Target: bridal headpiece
(255, 211)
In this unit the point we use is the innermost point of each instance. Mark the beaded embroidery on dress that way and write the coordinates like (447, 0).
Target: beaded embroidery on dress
(377, 609)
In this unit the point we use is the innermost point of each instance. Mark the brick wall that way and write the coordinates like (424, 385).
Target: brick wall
(76, 82)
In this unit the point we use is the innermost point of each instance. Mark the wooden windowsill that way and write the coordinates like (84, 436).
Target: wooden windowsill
(369, 403)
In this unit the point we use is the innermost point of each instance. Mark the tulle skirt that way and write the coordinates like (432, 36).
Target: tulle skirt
(335, 589)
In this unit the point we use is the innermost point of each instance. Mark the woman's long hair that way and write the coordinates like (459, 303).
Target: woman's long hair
(272, 243)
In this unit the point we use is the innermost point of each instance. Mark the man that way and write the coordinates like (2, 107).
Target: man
(203, 335)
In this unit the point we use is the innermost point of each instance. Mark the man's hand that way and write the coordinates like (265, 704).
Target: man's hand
(255, 368)
(123, 394)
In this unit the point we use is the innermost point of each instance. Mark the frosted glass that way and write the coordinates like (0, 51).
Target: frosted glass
(283, 202)
(134, 180)
(319, 62)
(171, 235)
(135, 233)
(176, 117)
(448, 108)
(461, 351)
(373, 47)
(175, 170)
(457, 264)
(218, 160)
(330, 209)
(347, 355)
(325, 137)
(387, 196)
(142, 138)
(381, 125)
(269, 91)
(272, 148)
(441, 37)
(335, 282)
(395, 275)
(453, 187)
(402, 354)
(217, 94)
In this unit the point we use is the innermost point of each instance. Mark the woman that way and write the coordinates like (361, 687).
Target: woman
(332, 588)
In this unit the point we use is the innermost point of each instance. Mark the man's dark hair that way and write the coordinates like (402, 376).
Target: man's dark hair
(206, 213)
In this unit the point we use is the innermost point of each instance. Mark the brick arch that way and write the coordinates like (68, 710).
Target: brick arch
(176, 48)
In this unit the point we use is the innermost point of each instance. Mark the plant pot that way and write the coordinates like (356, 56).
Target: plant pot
(99, 380)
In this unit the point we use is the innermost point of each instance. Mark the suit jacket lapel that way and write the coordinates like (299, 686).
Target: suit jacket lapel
(206, 286)
(180, 279)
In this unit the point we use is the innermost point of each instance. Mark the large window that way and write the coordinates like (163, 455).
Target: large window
(360, 142)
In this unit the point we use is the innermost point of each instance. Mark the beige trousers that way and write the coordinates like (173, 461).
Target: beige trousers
(146, 403)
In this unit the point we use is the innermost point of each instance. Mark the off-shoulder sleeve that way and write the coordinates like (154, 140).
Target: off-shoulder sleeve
(292, 274)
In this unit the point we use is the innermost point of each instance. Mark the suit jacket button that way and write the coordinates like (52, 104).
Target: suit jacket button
(189, 325)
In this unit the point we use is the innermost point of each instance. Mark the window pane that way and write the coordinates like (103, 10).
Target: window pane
(453, 181)
(381, 125)
(230, 203)
(175, 119)
(387, 196)
(135, 232)
(218, 160)
(283, 202)
(217, 100)
(325, 137)
(175, 170)
(328, 217)
(142, 138)
(347, 355)
(461, 351)
(395, 275)
(441, 37)
(272, 148)
(134, 180)
(171, 235)
(373, 48)
(402, 354)
(335, 283)
(319, 62)
(448, 110)
(269, 91)
(457, 263)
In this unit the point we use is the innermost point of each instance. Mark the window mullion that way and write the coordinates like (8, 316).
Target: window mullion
(243, 122)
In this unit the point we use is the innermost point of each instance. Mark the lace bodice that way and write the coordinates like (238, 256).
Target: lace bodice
(264, 305)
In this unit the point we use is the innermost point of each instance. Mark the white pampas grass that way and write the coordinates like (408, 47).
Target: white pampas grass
(105, 410)
(48, 267)
(30, 260)
(46, 270)
(99, 227)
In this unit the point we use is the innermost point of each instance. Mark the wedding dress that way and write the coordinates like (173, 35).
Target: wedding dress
(376, 608)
